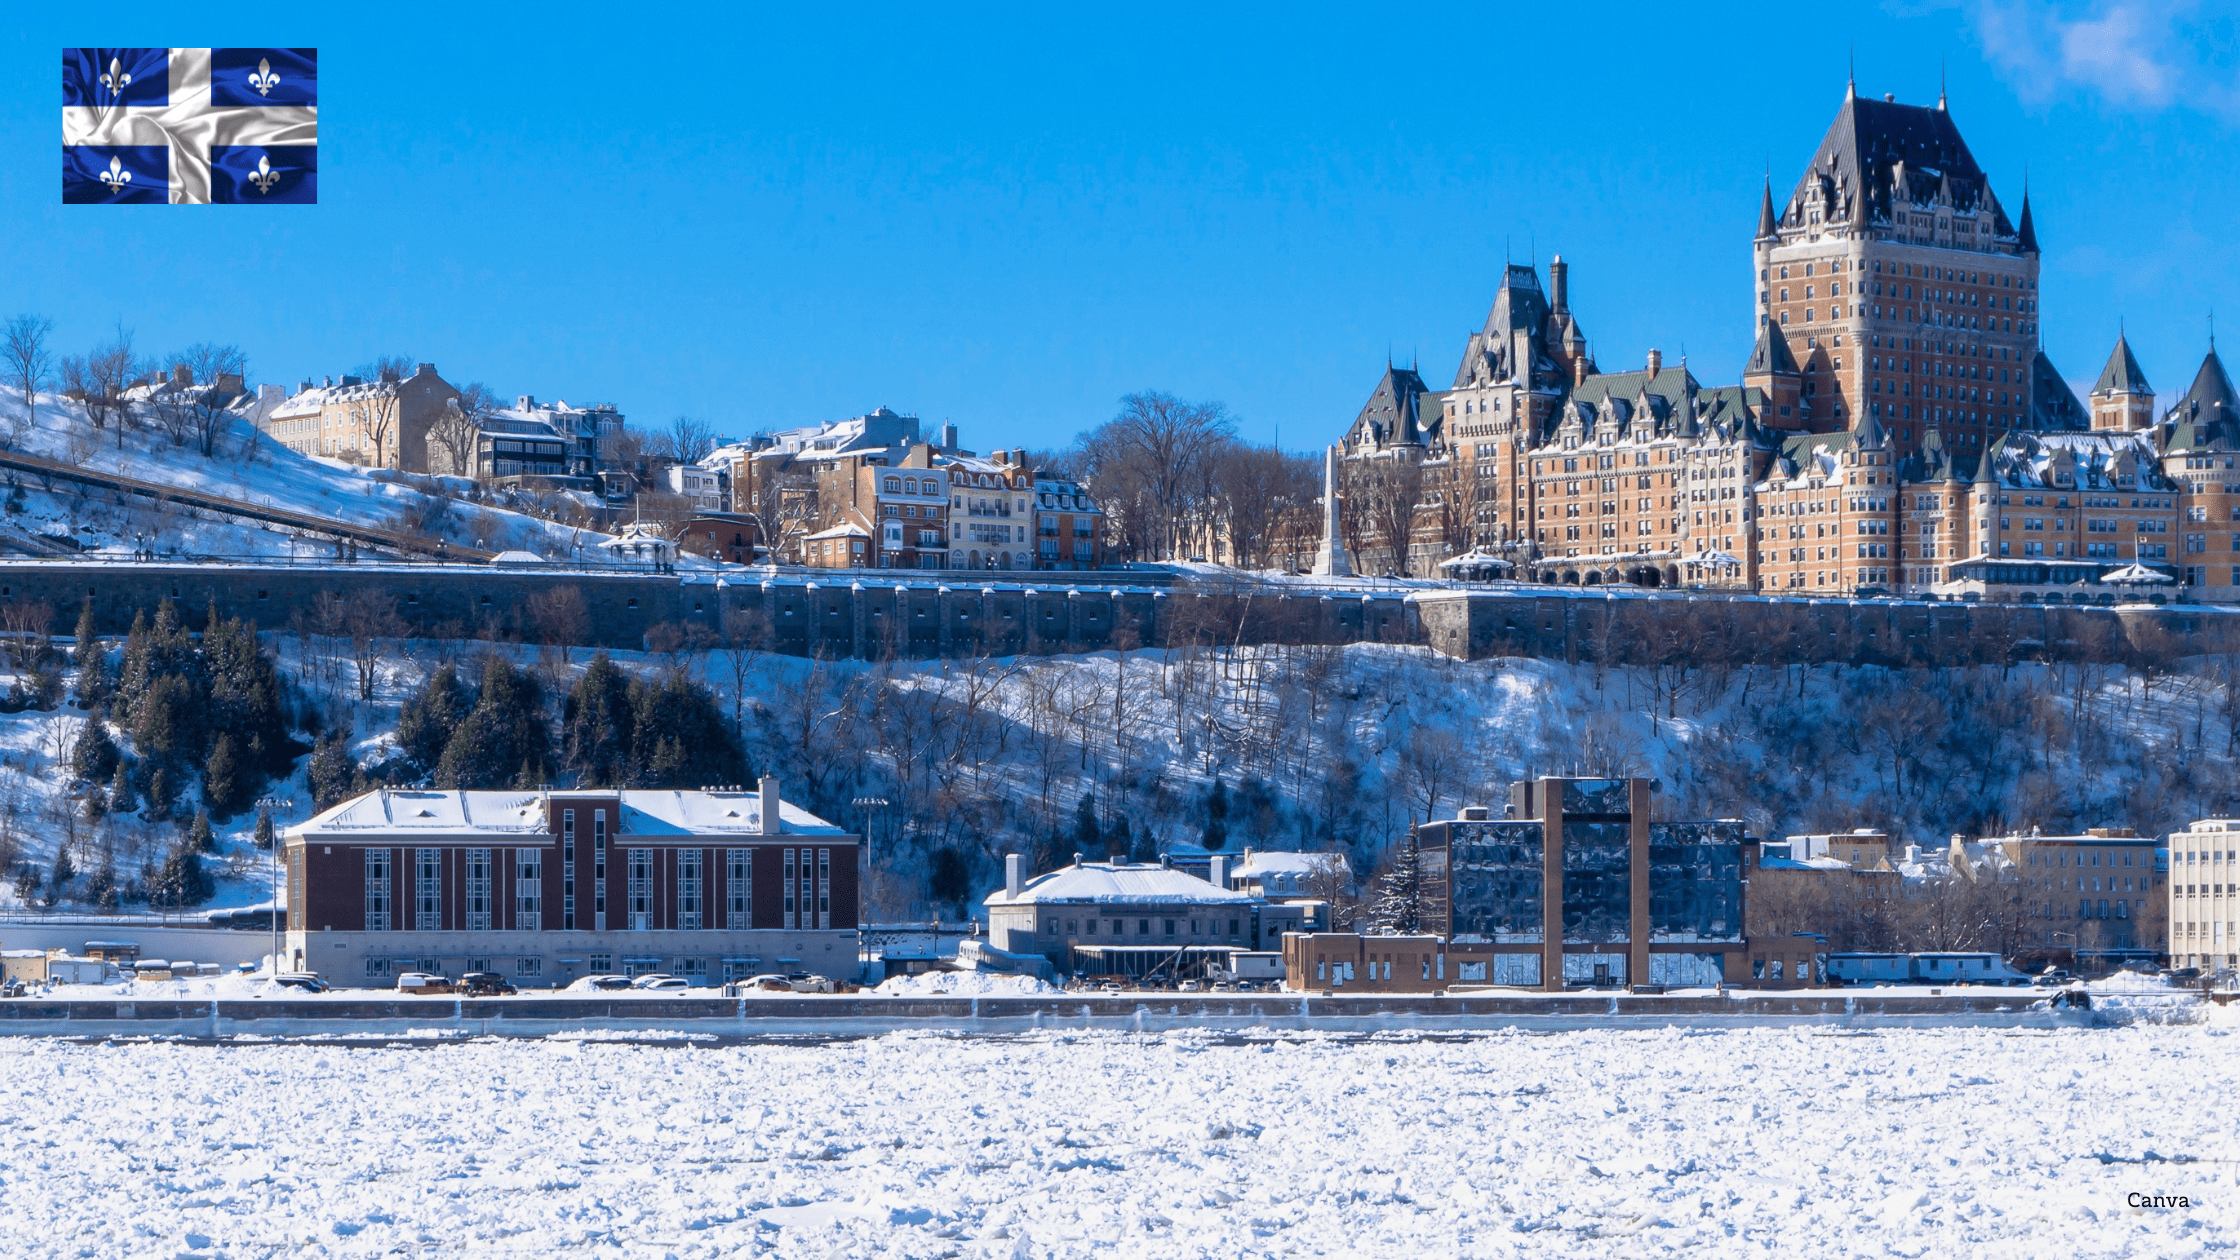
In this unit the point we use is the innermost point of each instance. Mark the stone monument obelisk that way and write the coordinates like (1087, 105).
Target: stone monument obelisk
(1331, 560)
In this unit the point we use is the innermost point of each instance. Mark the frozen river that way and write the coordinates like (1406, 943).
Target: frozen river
(1774, 1142)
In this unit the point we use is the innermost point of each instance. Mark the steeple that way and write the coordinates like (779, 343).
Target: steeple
(2122, 401)
(1767, 225)
(2026, 230)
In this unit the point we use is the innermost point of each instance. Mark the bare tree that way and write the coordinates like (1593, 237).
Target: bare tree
(108, 371)
(1250, 490)
(454, 431)
(1394, 491)
(167, 399)
(560, 619)
(686, 440)
(25, 358)
(1145, 463)
(382, 405)
(218, 373)
(371, 624)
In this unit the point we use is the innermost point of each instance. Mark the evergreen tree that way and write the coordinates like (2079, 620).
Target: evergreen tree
(681, 737)
(161, 794)
(167, 721)
(101, 886)
(1404, 901)
(183, 881)
(598, 727)
(431, 717)
(97, 804)
(1117, 841)
(64, 871)
(504, 737)
(93, 755)
(948, 878)
(1217, 816)
(86, 653)
(1147, 847)
(1085, 837)
(120, 788)
(199, 836)
(27, 884)
(332, 775)
(265, 835)
(223, 780)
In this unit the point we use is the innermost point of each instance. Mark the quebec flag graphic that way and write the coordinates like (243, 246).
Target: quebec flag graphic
(190, 126)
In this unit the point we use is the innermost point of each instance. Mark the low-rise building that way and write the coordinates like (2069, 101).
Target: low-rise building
(704, 489)
(383, 423)
(2204, 898)
(2094, 900)
(1284, 875)
(545, 887)
(1119, 918)
(719, 536)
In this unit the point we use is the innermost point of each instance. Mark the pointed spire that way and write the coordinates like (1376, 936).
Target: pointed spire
(2026, 230)
(2122, 374)
(1851, 74)
(1940, 85)
(1767, 226)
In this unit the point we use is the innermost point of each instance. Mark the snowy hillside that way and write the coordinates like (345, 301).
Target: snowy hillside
(246, 467)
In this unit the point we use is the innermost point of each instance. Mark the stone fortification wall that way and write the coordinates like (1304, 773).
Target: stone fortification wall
(874, 615)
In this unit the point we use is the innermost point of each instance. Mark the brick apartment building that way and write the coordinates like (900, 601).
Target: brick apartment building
(1630, 900)
(1897, 426)
(546, 887)
(2095, 900)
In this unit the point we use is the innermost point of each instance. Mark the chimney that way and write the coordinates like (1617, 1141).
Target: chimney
(1014, 875)
(1217, 873)
(306, 387)
(948, 437)
(769, 806)
(1077, 859)
(1578, 371)
(1558, 288)
(525, 402)
(426, 369)
(1656, 361)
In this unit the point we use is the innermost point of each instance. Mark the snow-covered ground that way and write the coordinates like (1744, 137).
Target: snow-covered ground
(247, 468)
(1767, 1142)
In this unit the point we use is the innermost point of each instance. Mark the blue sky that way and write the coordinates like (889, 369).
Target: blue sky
(1010, 218)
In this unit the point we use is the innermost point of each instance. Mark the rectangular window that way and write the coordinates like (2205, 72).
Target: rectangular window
(427, 890)
(568, 870)
(602, 964)
(528, 968)
(739, 890)
(786, 882)
(377, 968)
(688, 890)
(528, 890)
(377, 890)
(640, 892)
(598, 870)
(824, 888)
(478, 891)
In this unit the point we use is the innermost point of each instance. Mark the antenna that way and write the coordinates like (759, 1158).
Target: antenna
(1940, 84)
(1851, 71)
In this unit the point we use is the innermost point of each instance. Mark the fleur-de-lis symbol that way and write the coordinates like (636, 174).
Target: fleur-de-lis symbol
(116, 177)
(265, 176)
(115, 79)
(264, 80)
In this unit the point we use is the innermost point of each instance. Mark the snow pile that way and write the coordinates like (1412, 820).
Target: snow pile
(1974, 1142)
(964, 984)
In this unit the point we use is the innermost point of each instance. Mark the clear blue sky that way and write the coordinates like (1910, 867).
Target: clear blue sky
(1010, 220)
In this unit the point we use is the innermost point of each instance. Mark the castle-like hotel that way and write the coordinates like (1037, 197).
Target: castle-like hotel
(1898, 427)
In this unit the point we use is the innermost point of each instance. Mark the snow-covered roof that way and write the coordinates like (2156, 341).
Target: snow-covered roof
(517, 557)
(466, 814)
(845, 529)
(1261, 862)
(1106, 883)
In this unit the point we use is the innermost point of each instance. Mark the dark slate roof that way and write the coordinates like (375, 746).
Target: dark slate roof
(2205, 418)
(1393, 414)
(1519, 306)
(1673, 384)
(1877, 150)
(2122, 375)
(1771, 356)
(1766, 221)
(2054, 405)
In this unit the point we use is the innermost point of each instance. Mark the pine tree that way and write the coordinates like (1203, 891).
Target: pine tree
(64, 871)
(332, 774)
(265, 835)
(101, 886)
(223, 779)
(161, 794)
(431, 717)
(183, 881)
(503, 736)
(1406, 902)
(199, 836)
(1147, 847)
(27, 884)
(93, 755)
(681, 737)
(1116, 838)
(1217, 816)
(1085, 837)
(86, 653)
(120, 788)
(598, 726)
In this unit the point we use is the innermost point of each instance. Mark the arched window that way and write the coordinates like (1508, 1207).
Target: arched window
(894, 485)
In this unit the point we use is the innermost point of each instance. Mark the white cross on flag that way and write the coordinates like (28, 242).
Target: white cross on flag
(190, 126)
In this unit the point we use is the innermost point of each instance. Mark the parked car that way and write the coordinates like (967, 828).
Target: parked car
(597, 984)
(660, 980)
(2052, 979)
(304, 981)
(485, 984)
(1189, 986)
(2182, 976)
(1109, 986)
(809, 984)
(424, 983)
(770, 982)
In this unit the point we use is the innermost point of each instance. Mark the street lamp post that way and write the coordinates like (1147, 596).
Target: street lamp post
(265, 806)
